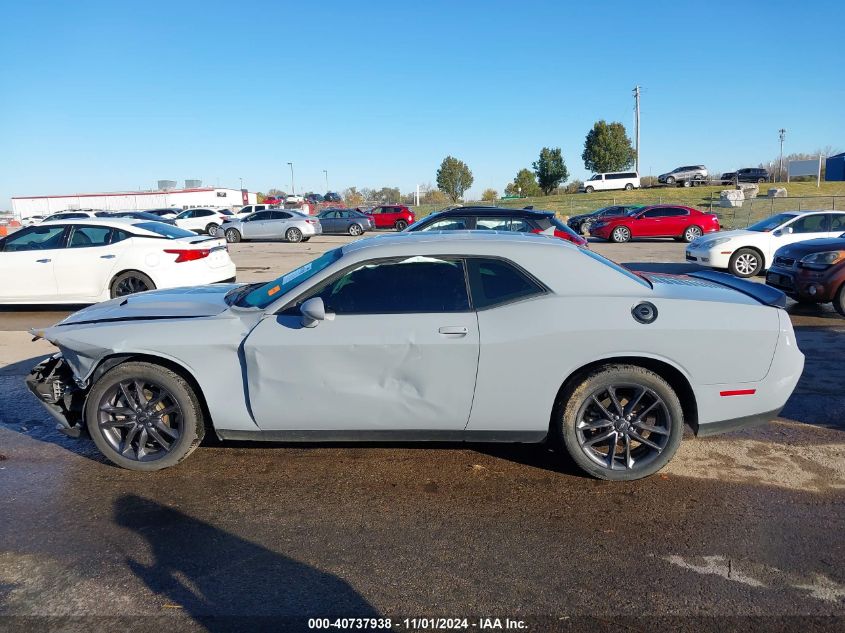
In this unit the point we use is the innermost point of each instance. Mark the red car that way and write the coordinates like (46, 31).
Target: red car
(659, 220)
(391, 216)
(273, 200)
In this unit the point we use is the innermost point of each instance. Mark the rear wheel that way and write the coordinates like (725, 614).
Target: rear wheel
(233, 236)
(620, 422)
(401, 225)
(129, 283)
(746, 262)
(211, 229)
(293, 235)
(687, 183)
(355, 229)
(620, 234)
(144, 417)
(839, 300)
(761, 180)
(691, 233)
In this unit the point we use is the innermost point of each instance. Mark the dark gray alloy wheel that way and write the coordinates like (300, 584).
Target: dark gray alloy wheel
(293, 235)
(622, 423)
(355, 229)
(211, 229)
(233, 236)
(129, 283)
(143, 417)
(401, 225)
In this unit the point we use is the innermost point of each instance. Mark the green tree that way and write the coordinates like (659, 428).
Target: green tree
(524, 184)
(489, 194)
(454, 178)
(550, 169)
(352, 197)
(607, 148)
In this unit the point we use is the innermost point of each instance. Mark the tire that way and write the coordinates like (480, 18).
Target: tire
(761, 180)
(631, 406)
(629, 187)
(233, 236)
(588, 189)
(621, 234)
(305, 239)
(584, 229)
(293, 235)
(691, 233)
(130, 282)
(839, 301)
(746, 262)
(134, 436)
(355, 229)
(670, 180)
(211, 229)
(687, 183)
(401, 225)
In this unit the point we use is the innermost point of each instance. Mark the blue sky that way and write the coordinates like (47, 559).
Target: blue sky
(104, 96)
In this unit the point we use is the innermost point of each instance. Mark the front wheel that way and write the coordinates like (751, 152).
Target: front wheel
(401, 225)
(129, 283)
(692, 233)
(293, 235)
(761, 180)
(620, 422)
(620, 234)
(211, 229)
(746, 262)
(629, 187)
(144, 417)
(233, 236)
(839, 300)
(355, 229)
(589, 189)
(670, 180)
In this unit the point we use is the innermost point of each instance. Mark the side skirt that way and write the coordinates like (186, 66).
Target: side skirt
(525, 437)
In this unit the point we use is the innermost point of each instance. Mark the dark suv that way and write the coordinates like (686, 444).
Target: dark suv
(498, 219)
(747, 174)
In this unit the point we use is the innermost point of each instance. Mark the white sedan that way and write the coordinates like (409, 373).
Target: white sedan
(457, 336)
(91, 260)
(746, 252)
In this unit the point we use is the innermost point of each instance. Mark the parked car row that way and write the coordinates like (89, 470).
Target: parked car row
(659, 220)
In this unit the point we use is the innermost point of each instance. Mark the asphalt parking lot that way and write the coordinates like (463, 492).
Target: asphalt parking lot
(746, 525)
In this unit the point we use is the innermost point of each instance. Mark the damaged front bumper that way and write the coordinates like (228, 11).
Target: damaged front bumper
(53, 383)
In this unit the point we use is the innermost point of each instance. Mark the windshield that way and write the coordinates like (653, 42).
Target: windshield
(770, 224)
(265, 294)
(165, 230)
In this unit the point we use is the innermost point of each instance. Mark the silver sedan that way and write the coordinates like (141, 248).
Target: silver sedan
(273, 224)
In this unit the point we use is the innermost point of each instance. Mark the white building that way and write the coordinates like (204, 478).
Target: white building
(25, 206)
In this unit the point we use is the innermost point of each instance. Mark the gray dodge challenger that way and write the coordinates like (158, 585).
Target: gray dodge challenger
(455, 336)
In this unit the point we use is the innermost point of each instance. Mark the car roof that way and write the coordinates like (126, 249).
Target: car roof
(460, 241)
(102, 221)
(811, 211)
(494, 211)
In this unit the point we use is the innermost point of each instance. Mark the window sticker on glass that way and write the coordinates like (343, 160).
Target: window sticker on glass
(296, 273)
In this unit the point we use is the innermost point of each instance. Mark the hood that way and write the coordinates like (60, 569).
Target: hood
(729, 234)
(173, 303)
(800, 249)
(710, 285)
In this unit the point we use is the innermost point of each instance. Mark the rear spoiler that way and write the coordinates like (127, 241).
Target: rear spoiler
(761, 292)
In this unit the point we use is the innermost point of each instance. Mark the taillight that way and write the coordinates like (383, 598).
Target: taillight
(188, 254)
(312, 221)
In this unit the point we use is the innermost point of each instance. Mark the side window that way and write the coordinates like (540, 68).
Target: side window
(492, 224)
(280, 215)
(447, 224)
(676, 212)
(837, 222)
(35, 238)
(118, 235)
(82, 236)
(261, 215)
(410, 285)
(811, 224)
(519, 225)
(655, 213)
(494, 282)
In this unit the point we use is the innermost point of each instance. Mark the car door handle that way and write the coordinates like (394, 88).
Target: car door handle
(43, 261)
(453, 330)
(107, 256)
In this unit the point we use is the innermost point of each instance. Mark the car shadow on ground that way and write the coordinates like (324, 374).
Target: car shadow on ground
(225, 582)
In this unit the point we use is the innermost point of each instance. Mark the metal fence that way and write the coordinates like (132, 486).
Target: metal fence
(751, 210)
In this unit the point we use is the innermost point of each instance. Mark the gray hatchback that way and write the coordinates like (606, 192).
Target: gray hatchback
(272, 224)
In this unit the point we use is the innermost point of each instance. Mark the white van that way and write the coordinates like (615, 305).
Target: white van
(612, 180)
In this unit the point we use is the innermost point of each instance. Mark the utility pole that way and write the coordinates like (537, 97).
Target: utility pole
(637, 125)
(326, 174)
(781, 135)
(292, 187)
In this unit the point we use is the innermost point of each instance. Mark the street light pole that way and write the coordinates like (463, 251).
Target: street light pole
(292, 186)
(326, 173)
(242, 183)
(781, 135)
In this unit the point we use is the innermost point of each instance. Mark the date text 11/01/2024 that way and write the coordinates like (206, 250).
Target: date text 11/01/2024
(418, 624)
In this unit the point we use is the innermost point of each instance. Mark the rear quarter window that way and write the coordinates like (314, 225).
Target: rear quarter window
(495, 282)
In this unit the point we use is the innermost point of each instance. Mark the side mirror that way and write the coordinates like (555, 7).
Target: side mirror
(313, 311)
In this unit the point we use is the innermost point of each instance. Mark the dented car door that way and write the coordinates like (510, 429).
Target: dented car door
(398, 351)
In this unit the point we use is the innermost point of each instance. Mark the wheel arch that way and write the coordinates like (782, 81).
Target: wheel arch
(113, 360)
(131, 270)
(669, 372)
(757, 250)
